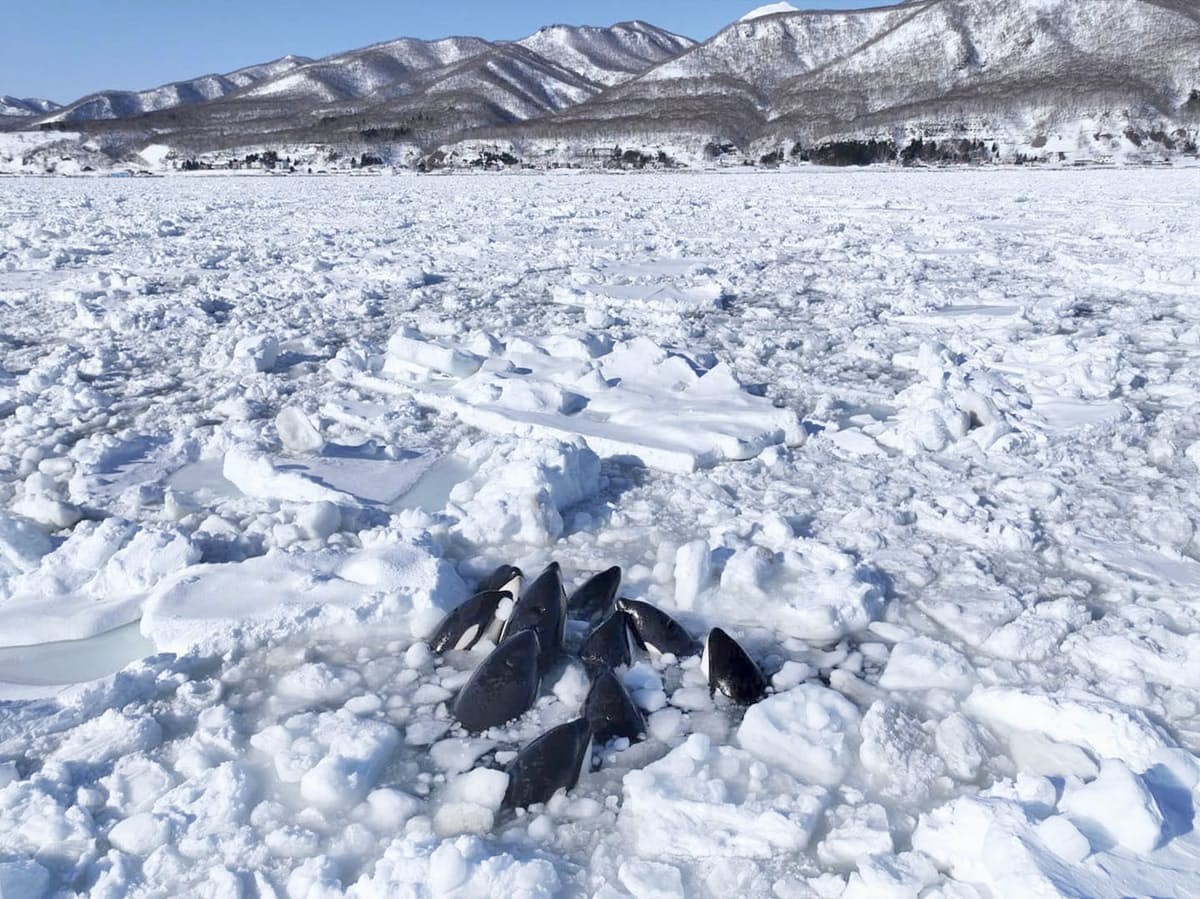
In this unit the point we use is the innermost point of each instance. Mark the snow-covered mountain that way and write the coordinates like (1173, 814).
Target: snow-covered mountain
(126, 104)
(360, 73)
(1063, 76)
(607, 56)
(423, 92)
(1018, 72)
(27, 106)
(534, 67)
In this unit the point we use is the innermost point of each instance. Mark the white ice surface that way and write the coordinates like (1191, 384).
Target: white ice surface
(927, 444)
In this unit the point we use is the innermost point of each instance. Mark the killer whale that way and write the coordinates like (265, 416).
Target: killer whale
(593, 601)
(503, 687)
(542, 609)
(552, 762)
(655, 629)
(611, 712)
(608, 646)
(729, 668)
(474, 620)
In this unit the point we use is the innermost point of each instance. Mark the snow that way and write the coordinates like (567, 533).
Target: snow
(706, 801)
(770, 9)
(924, 446)
(808, 732)
(1090, 808)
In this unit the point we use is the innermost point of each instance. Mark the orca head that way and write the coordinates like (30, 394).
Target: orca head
(467, 624)
(593, 601)
(554, 761)
(611, 712)
(506, 578)
(503, 687)
(608, 646)
(540, 609)
(656, 630)
(728, 668)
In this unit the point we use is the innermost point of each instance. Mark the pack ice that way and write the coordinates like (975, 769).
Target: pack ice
(925, 444)
(634, 400)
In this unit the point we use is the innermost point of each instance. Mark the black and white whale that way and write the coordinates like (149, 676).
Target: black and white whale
(608, 646)
(611, 712)
(542, 609)
(505, 579)
(730, 669)
(503, 687)
(552, 762)
(655, 629)
(471, 622)
(593, 601)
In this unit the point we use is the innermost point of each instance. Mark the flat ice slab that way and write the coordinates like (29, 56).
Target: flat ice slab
(634, 400)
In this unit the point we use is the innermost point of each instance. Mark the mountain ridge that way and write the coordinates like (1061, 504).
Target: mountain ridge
(1021, 78)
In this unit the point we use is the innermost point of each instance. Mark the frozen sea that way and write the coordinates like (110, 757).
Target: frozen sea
(926, 443)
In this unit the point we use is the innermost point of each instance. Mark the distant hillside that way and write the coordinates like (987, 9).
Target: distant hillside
(923, 81)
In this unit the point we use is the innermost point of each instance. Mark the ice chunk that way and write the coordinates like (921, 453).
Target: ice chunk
(960, 746)
(855, 832)
(924, 664)
(840, 596)
(1099, 725)
(903, 876)
(257, 476)
(809, 732)
(456, 755)
(470, 802)
(1064, 839)
(48, 511)
(22, 545)
(408, 349)
(651, 880)
(1115, 808)
(314, 878)
(140, 834)
(23, 879)
(256, 353)
(318, 521)
(135, 783)
(447, 869)
(520, 492)
(386, 810)
(898, 752)
(637, 401)
(211, 604)
(483, 786)
(297, 433)
(357, 752)
(706, 801)
(693, 568)
(106, 738)
(317, 682)
(33, 822)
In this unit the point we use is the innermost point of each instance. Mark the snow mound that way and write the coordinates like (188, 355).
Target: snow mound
(334, 757)
(211, 605)
(520, 492)
(708, 801)
(1102, 727)
(96, 580)
(840, 595)
(1116, 808)
(808, 732)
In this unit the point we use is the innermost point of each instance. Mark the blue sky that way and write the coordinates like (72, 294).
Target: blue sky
(62, 49)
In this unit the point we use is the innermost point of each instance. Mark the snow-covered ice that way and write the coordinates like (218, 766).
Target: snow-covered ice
(926, 443)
